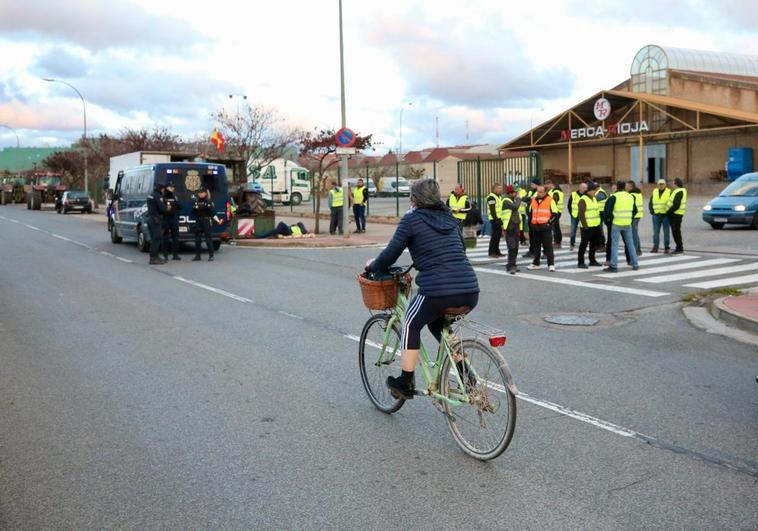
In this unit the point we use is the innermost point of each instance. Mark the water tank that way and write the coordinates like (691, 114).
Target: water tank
(740, 162)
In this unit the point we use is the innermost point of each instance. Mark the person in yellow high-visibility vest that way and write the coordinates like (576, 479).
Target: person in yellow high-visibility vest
(511, 226)
(359, 198)
(676, 207)
(336, 201)
(522, 213)
(458, 203)
(494, 202)
(658, 208)
(573, 208)
(622, 209)
(588, 214)
(557, 194)
(639, 202)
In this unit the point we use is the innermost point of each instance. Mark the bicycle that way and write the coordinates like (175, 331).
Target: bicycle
(469, 380)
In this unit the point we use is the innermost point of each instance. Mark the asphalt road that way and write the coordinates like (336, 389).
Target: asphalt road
(227, 395)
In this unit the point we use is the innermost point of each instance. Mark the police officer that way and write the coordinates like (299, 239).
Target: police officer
(205, 213)
(171, 222)
(156, 208)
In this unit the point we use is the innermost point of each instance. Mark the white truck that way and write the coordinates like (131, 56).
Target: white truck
(284, 179)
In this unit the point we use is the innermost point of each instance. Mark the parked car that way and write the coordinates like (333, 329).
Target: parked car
(387, 186)
(737, 204)
(73, 201)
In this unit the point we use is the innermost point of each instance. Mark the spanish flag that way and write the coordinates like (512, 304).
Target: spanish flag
(217, 139)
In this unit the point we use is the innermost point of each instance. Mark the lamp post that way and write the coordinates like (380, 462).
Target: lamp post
(344, 163)
(84, 108)
(400, 148)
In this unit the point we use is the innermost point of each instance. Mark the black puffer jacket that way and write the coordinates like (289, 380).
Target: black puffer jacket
(433, 237)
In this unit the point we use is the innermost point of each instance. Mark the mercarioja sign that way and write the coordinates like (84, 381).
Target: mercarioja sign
(624, 128)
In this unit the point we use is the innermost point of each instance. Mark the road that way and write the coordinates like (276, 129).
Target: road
(227, 395)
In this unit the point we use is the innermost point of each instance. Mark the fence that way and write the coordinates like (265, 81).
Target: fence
(478, 176)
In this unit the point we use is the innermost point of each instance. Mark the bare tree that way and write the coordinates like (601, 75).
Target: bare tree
(318, 149)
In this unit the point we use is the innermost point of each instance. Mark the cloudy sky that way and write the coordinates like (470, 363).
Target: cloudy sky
(494, 64)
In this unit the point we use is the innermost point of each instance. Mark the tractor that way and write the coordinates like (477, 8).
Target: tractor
(43, 188)
(11, 190)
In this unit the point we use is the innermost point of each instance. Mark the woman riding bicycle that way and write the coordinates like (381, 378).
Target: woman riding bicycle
(445, 276)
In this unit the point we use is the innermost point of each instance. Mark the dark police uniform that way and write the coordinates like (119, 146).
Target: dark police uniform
(204, 211)
(156, 208)
(171, 225)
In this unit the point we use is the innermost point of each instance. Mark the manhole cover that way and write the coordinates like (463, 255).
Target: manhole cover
(571, 320)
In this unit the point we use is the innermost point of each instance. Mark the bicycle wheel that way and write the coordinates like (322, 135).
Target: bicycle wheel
(378, 359)
(483, 428)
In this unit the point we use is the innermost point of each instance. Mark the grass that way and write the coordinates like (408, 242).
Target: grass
(718, 292)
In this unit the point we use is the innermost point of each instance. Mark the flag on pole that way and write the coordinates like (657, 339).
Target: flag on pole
(217, 139)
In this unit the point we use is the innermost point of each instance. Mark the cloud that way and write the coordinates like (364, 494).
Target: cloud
(460, 65)
(94, 25)
(60, 62)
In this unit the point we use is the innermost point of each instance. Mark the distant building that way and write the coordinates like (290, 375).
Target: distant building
(16, 160)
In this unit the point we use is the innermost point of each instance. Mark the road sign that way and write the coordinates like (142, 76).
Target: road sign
(345, 150)
(345, 137)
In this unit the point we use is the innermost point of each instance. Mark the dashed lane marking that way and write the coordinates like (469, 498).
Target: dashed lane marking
(576, 283)
(32, 227)
(294, 316)
(212, 289)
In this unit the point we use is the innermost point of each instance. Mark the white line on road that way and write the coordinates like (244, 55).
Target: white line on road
(31, 227)
(732, 281)
(294, 316)
(211, 288)
(667, 268)
(576, 283)
(124, 260)
(14, 221)
(59, 237)
(106, 253)
(700, 274)
(643, 263)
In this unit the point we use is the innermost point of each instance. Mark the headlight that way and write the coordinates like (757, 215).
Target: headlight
(739, 208)
(707, 207)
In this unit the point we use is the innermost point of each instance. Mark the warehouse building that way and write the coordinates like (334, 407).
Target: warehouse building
(681, 113)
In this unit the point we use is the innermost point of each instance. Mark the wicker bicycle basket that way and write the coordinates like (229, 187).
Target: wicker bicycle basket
(381, 294)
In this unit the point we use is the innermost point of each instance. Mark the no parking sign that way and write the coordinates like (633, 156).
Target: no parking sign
(345, 137)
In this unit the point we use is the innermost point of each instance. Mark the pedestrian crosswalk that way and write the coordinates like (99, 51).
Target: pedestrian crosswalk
(670, 272)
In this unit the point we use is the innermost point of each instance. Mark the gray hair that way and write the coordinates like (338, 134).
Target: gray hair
(425, 193)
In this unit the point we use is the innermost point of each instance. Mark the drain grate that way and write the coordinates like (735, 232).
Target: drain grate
(571, 320)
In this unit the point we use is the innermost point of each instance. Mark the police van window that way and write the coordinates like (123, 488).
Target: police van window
(210, 182)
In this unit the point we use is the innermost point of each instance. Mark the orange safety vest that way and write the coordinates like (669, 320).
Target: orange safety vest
(541, 212)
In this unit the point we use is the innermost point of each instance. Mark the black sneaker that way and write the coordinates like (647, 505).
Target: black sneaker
(197, 258)
(596, 264)
(210, 258)
(399, 388)
(610, 269)
(583, 266)
(157, 261)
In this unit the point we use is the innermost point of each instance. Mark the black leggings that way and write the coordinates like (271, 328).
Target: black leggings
(426, 311)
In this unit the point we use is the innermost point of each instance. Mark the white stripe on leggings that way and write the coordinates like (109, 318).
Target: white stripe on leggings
(409, 316)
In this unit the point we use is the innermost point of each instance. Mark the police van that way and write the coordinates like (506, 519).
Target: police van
(127, 211)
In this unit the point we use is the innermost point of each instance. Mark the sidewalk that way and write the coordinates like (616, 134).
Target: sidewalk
(738, 310)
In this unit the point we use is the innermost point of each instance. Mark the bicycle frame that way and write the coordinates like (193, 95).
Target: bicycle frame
(430, 369)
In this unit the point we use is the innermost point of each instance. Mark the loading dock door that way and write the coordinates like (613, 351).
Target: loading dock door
(654, 163)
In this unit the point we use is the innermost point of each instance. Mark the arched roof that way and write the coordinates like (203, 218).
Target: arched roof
(652, 58)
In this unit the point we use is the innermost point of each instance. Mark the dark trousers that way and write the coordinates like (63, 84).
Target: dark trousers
(591, 237)
(496, 226)
(602, 235)
(512, 241)
(557, 236)
(533, 243)
(335, 221)
(524, 223)
(203, 230)
(171, 236)
(676, 230)
(543, 238)
(283, 229)
(155, 227)
(608, 247)
(359, 212)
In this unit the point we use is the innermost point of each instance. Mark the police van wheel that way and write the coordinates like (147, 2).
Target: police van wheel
(142, 242)
(115, 238)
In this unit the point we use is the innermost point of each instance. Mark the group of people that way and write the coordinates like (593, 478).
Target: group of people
(357, 198)
(536, 213)
(163, 210)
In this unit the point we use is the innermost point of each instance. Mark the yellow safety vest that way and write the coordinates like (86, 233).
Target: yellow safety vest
(558, 199)
(457, 203)
(639, 202)
(498, 206)
(358, 197)
(506, 213)
(661, 200)
(680, 210)
(296, 230)
(338, 197)
(601, 202)
(623, 208)
(591, 210)
(575, 198)
(522, 206)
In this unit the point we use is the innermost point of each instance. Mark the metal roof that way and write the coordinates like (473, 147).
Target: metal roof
(654, 58)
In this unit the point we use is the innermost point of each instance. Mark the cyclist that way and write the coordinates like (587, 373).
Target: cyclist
(445, 276)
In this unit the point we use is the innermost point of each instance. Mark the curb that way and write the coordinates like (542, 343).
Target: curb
(721, 311)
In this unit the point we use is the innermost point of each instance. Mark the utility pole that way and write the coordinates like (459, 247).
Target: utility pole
(344, 163)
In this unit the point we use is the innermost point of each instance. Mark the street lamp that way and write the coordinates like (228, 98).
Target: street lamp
(84, 108)
(402, 108)
(237, 98)
(344, 163)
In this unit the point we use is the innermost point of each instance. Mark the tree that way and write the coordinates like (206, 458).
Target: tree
(257, 132)
(317, 149)
(414, 173)
(68, 163)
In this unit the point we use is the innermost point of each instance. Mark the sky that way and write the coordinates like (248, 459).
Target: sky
(497, 66)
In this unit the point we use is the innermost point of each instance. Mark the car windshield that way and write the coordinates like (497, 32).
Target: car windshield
(77, 195)
(740, 188)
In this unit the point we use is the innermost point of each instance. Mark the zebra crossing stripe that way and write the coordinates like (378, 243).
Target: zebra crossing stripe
(667, 268)
(700, 274)
(576, 283)
(643, 262)
(733, 281)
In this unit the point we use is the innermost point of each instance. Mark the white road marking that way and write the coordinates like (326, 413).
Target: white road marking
(294, 316)
(732, 281)
(368, 342)
(59, 237)
(14, 221)
(124, 260)
(106, 253)
(576, 283)
(31, 227)
(700, 274)
(212, 289)
(643, 263)
(666, 268)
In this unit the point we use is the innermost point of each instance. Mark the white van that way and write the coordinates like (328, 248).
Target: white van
(387, 186)
(285, 180)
